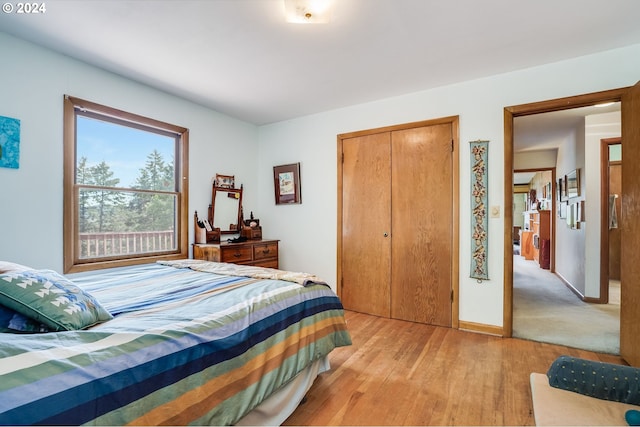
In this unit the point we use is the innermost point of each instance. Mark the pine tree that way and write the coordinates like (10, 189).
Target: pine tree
(105, 201)
(154, 212)
(82, 177)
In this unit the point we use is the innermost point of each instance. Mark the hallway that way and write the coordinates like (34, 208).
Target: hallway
(546, 310)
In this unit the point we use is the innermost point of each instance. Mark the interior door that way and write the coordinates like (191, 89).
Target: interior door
(614, 234)
(366, 224)
(629, 265)
(422, 224)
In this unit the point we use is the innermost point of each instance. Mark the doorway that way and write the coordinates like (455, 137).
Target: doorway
(610, 219)
(546, 309)
(522, 111)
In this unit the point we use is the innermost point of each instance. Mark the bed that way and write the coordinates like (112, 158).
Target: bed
(173, 343)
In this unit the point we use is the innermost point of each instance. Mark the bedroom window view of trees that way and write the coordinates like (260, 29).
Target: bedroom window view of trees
(125, 179)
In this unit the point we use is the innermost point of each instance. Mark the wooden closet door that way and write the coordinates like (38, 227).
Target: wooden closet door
(422, 224)
(366, 218)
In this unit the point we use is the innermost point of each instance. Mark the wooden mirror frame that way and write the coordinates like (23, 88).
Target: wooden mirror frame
(237, 195)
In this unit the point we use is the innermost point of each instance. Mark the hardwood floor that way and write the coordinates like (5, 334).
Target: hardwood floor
(403, 373)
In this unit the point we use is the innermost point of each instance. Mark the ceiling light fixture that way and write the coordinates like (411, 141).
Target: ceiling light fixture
(308, 11)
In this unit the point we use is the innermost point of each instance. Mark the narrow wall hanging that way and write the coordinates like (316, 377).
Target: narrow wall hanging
(479, 220)
(9, 142)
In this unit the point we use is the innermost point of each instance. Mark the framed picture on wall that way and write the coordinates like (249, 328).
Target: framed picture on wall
(562, 188)
(571, 216)
(224, 181)
(573, 183)
(559, 190)
(548, 192)
(562, 210)
(286, 183)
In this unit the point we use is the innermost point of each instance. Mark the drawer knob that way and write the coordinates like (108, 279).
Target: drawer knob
(237, 255)
(265, 251)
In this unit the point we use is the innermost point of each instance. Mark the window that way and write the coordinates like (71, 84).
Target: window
(125, 188)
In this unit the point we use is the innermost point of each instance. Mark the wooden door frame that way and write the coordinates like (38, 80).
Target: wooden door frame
(630, 205)
(455, 208)
(559, 104)
(604, 218)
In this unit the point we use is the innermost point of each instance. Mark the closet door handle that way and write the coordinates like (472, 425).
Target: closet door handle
(386, 234)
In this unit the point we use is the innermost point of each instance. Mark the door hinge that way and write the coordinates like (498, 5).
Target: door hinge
(452, 145)
(451, 295)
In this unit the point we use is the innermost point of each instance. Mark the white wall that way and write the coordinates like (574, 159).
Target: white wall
(578, 250)
(34, 81)
(570, 243)
(535, 159)
(308, 231)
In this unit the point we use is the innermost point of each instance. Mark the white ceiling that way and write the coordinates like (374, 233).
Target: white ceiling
(241, 58)
(547, 131)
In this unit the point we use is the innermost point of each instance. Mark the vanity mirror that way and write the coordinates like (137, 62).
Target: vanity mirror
(225, 210)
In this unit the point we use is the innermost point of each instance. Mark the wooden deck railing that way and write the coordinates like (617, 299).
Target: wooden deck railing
(125, 243)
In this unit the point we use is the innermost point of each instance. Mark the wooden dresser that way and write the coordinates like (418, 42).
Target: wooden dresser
(536, 240)
(262, 253)
(541, 226)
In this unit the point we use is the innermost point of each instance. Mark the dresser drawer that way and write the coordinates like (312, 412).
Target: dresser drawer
(262, 253)
(265, 250)
(236, 254)
(207, 252)
(268, 263)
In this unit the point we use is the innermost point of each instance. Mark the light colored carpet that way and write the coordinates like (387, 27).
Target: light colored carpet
(545, 310)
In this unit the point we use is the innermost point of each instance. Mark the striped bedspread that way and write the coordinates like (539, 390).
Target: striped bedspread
(184, 347)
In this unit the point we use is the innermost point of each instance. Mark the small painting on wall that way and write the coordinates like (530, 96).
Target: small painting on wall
(9, 142)
(573, 184)
(286, 182)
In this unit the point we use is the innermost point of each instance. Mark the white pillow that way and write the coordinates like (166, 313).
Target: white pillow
(12, 267)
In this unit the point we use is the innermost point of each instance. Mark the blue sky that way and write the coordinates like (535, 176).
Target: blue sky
(124, 149)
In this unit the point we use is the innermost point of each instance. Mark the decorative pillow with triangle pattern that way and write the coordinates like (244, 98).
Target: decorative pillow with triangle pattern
(49, 298)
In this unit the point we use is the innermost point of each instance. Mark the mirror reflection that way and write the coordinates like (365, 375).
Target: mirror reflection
(225, 211)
